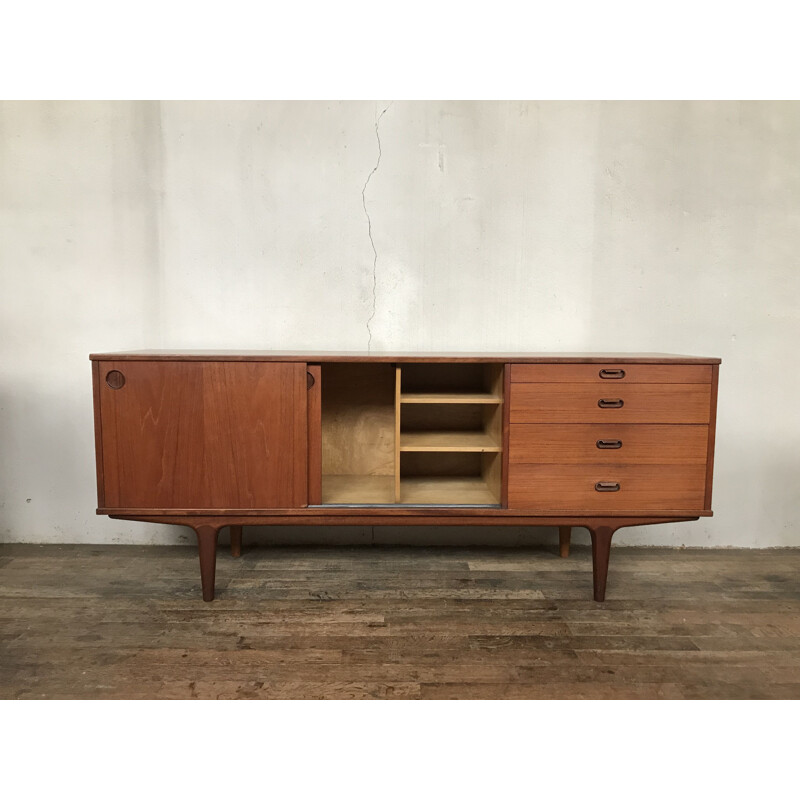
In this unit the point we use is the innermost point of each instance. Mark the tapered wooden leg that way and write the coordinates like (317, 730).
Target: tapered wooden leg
(236, 540)
(564, 534)
(601, 549)
(207, 545)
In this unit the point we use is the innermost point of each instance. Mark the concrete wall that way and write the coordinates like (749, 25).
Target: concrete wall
(629, 226)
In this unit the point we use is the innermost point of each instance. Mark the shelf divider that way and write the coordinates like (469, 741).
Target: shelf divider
(486, 398)
(397, 396)
(448, 442)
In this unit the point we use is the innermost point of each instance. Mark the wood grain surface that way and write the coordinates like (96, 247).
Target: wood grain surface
(185, 435)
(403, 356)
(652, 487)
(84, 621)
(577, 444)
(593, 373)
(672, 403)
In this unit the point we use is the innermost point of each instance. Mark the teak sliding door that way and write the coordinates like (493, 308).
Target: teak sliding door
(202, 435)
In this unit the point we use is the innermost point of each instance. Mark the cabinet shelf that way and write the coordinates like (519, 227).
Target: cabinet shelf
(448, 442)
(348, 489)
(428, 490)
(485, 398)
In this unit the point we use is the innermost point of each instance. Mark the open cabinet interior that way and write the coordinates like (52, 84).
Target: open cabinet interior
(414, 434)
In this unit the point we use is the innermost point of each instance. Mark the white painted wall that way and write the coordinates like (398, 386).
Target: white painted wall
(626, 226)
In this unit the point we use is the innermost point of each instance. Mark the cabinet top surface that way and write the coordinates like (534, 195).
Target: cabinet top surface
(313, 356)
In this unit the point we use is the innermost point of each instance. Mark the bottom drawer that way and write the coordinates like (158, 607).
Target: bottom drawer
(633, 487)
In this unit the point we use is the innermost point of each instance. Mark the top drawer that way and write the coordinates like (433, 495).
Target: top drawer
(610, 373)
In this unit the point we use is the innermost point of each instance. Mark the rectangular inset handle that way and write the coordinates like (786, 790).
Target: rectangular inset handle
(609, 444)
(606, 486)
(617, 403)
(612, 374)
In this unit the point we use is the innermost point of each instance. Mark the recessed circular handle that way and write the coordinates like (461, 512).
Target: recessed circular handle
(606, 486)
(612, 374)
(115, 379)
(609, 444)
(617, 403)
(310, 380)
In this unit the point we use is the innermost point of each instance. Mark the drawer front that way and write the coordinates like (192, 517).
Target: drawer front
(610, 374)
(671, 403)
(573, 487)
(608, 444)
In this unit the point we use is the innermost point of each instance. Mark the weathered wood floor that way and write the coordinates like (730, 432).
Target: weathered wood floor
(402, 622)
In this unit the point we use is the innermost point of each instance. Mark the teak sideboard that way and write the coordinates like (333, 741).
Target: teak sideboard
(213, 439)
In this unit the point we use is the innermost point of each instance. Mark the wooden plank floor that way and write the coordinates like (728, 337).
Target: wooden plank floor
(85, 621)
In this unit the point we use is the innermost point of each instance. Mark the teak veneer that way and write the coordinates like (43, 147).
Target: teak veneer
(214, 439)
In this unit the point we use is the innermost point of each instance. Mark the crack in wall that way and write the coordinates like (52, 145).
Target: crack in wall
(369, 231)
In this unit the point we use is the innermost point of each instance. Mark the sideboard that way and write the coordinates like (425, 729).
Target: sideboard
(214, 439)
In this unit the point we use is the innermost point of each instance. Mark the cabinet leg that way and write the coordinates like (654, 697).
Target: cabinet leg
(601, 549)
(236, 540)
(564, 534)
(207, 544)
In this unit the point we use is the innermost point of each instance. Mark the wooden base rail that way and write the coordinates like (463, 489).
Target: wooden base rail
(207, 529)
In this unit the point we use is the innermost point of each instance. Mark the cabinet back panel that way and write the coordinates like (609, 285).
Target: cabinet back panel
(358, 419)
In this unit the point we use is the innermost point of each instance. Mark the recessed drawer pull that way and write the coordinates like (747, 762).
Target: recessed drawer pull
(612, 374)
(610, 403)
(115, 379)
(609, 444)
(606, 486)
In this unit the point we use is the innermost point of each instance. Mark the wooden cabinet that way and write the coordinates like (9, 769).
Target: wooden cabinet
(218, 439)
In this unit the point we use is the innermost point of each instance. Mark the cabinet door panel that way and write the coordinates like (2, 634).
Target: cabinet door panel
(204, 435)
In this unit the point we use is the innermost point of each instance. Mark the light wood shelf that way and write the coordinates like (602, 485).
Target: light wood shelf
(451, 397)
(446, 491)
(349, 489)
(448, 442)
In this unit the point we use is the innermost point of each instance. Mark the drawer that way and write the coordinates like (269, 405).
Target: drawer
(673, 403)
(607, 444)
(610, 373)
(572, 487)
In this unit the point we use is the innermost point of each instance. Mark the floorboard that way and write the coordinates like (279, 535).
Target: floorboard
(85, 621)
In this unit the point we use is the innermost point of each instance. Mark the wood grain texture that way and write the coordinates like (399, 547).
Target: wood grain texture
(448, 442)
(358, 419)
(236, 540)
(712, 434)
(98, 435)
(314, 423)
(446, 489)
(400, 356)
(506, 427)
(592, 373)
(124, 622)
(577, 444)
(391, 515)
(207, 537)
(674, 403)
(450, 398)
(398, 385)
(197, 434)
(564, 538)
(572, 486)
